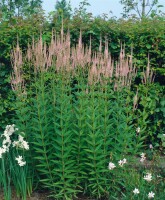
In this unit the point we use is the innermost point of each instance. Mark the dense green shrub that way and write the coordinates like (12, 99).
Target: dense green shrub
(7, 98)
(11, 32)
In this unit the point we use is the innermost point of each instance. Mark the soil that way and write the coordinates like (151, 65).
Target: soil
(34, 196)
(39, 196)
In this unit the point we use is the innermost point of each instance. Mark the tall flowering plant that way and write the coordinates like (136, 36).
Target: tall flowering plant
(12, 162)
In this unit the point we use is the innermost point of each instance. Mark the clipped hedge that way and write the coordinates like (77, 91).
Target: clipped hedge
(146, 37)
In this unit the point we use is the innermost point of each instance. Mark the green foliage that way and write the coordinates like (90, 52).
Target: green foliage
(150, 114)
(142, 8)
(131, 175)
(95, 147)
(73, 129)
(5, 179)
(63, 8)
(19, 8)
(144, 37)
(25, 30)
(61, 15)
(6, 98)
(51, 123)
(81, 12)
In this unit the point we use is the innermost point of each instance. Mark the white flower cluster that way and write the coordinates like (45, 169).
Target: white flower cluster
(143, 157)
(6, 143)
(148, 177)
(20, 161)
(10, 129)
(122, 162)
(150, 194)
(111, 165)
(21, 143)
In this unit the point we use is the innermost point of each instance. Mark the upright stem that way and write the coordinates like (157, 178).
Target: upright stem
(5, 181)
(143, 8)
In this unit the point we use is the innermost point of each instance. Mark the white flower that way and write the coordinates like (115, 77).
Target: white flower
(19, 158)
(151, 195)
(150, 146)
(7, 141)
(148, 177)
(136, 191)
(122, 162)
(20, 138)
(5, 148)
(21, 143)
(111, 166)
(15, 144)
(142, 154)
(9, 130)
(2, 150)
(20, 161)
(143, 158)
(25, 145)
(138, 130)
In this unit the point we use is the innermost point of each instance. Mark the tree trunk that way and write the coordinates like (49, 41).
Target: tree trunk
(143, 8)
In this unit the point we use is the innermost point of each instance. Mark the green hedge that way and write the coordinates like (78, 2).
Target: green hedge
(24, 31)
(146, 37)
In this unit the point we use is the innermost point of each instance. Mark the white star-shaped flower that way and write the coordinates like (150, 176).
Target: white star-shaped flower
(111, 166)
(148, 177)
(136, 191)
(151, 195)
